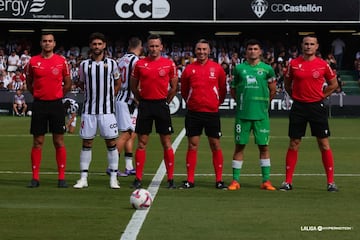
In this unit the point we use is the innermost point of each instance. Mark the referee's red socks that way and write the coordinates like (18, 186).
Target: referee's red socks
(61, 161)
(291, 159)
(218, 162)
(140, 156)
(328, 162)
(169, 159)
(191, 158)
(35, 162)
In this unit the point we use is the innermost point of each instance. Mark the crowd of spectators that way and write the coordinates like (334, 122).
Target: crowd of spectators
(14, 55)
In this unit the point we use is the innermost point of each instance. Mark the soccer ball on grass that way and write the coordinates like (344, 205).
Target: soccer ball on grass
(141, 199)
(29, 113)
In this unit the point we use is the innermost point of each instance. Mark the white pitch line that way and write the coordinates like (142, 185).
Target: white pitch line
(136, 221)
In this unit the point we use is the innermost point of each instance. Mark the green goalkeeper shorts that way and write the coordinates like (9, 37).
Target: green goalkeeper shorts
(260, 129)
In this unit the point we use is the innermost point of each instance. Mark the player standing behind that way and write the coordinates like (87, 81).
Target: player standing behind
(203, 86)
(304, 81)
(71, 108)
(48, 80)
(99, 79)
(253, 87)
(126, 106)
(154, 82)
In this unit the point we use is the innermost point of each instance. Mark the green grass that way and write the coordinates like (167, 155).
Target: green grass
(200, 213)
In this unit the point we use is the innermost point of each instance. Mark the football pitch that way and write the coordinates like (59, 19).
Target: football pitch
(98, 212)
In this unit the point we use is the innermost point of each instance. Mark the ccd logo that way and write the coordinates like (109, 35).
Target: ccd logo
(113, 126)
(127, 8)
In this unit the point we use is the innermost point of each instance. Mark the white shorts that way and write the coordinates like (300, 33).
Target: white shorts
(126, 120)
(105, 122)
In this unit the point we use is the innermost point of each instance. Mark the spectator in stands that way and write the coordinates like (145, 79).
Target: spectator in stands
(74, 71)
(235, 60)
(24, 59)
(223, 57)
(177, 60)
(74, 51)
(176, 52)
(7, 78)
(19, 104)
(13, 61)
(61, 51)
(71, 59)
(3, 60)
(2, 85)
(226, 68)
(187, 58)
(338, 49)
(18, 82)
(330, 59)
(187, 51)
(84, 52)
(281, 57)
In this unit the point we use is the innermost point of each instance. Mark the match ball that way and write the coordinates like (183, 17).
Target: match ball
(141, 199)
(29, 113)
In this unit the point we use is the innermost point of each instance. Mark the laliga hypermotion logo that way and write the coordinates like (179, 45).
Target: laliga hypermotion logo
(140, 8)
(259, 7)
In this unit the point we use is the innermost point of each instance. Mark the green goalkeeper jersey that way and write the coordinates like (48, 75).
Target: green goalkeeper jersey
(252, 91)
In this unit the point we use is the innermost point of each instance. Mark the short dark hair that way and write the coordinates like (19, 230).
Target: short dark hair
(203, 41)
(311, 35)
(97, 35)
(154, 36)
(134, 42)
(46, 33)
(251, 42)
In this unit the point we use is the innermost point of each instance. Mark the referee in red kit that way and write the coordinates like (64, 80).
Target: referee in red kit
(48, 80)
(304, 81)
(154, 82)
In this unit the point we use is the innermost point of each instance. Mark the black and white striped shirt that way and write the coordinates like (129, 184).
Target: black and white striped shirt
(126, 65)
(99, 81)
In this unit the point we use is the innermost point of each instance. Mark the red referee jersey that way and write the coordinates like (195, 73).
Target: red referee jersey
(308, 78)
(47, 75)
(154, 77)
(203, 86)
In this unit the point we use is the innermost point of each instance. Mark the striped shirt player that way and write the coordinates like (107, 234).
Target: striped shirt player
(126, 110)
(99, 78)
(126, 106)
